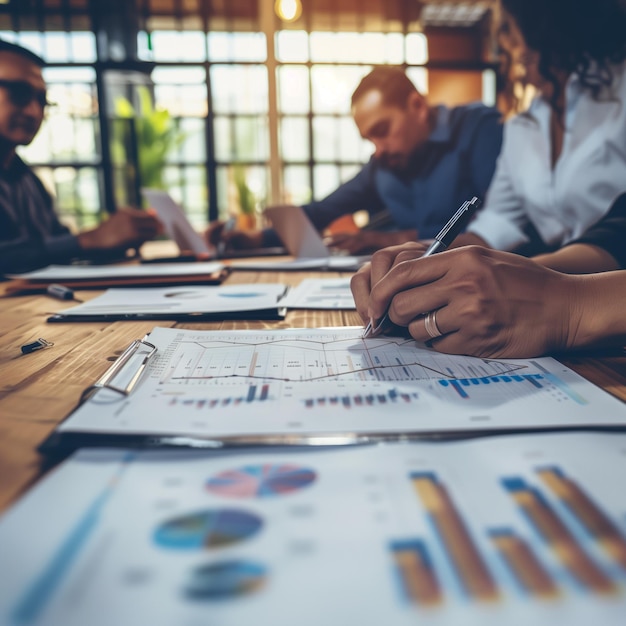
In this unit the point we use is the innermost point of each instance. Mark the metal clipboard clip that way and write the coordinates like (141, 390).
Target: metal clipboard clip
(106, 381)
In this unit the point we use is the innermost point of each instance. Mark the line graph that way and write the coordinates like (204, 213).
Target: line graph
(347, 358)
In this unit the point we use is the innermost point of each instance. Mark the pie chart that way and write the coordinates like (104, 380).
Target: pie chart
(207, 529)
(225, 580)
(261, 481)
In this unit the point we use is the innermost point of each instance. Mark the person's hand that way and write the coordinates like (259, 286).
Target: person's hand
(126, 228)
(487, 303)
(370, 273)
(366, 241)
(234, 239)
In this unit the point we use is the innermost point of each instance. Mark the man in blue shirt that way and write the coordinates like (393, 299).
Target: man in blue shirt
(427, 160)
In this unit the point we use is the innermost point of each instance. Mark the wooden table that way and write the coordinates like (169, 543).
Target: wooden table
(38, 390)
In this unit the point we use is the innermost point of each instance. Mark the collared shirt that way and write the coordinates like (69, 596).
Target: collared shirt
(31, 235)
(456, 163)
(560, 202)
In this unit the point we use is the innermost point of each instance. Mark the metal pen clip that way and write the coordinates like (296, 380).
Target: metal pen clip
(106, 381)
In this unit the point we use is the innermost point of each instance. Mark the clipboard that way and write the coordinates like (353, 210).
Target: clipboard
(171, 406)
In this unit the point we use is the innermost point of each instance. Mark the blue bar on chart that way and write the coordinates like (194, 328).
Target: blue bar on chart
(391, 396)
(462, 386)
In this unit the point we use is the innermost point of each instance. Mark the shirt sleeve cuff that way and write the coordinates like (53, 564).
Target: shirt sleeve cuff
(63, 247)
(497, 231)
(270, 238)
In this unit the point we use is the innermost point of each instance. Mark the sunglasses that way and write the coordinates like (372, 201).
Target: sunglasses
(22, 93)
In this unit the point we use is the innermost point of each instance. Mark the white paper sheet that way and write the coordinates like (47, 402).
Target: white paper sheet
(320, 293)
(517, 531)
(333, 263)
(331, 381)
(94, 272)
(182, 300)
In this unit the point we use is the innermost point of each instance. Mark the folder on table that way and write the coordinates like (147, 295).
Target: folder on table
(182, 303)
(101, 277)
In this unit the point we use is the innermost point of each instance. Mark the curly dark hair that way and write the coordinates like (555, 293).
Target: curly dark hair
(585, 37)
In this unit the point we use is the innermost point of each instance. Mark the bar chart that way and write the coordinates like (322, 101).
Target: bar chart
(558, 537)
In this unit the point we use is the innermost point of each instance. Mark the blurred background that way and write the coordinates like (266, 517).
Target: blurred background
(232, 105)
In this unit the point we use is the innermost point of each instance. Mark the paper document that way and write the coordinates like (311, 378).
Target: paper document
(61, 273)
(332, 263)
(320, 293)
(516, 531)
(175, 222)
(174, 301)
(332, 381)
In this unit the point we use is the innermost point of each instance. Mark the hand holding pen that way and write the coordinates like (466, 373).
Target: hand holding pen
(441, 242)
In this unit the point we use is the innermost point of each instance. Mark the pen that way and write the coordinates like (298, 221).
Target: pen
(61, 292)
(228, 226)
(442, 240)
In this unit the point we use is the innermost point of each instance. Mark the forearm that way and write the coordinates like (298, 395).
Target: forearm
(23, 255)
(596, 310)
(579, 259)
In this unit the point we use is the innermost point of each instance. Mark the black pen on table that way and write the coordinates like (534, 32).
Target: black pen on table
(442, 241)
(61, 292)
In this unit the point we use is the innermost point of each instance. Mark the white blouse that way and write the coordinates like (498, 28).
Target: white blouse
(561, 202)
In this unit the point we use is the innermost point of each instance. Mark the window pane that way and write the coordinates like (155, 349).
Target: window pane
(489, 87)
(325, 180)
(83, 46)
(324, 139)
(296, 184)
(352, 147)
(333, 87)
(188, 187)
(228, 198)
(394, 48)
(77, 196)
(294, 139)
(237, 47)
(57, 47)
(179, 46)
(222, 131)
(239, 89)
(182, 100)
(416, 49)
(419, 77)
(293, 89)
(292, 46)
(241, 139)
(251, 139)
(193, 147)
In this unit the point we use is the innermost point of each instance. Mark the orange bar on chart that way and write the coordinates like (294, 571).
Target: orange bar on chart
(559, 538)
(522, 561)
(416, 572)
(457, 541)
(597, 523)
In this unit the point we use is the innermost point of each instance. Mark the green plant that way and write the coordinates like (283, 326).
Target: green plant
(156, 135)
(247, 199)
